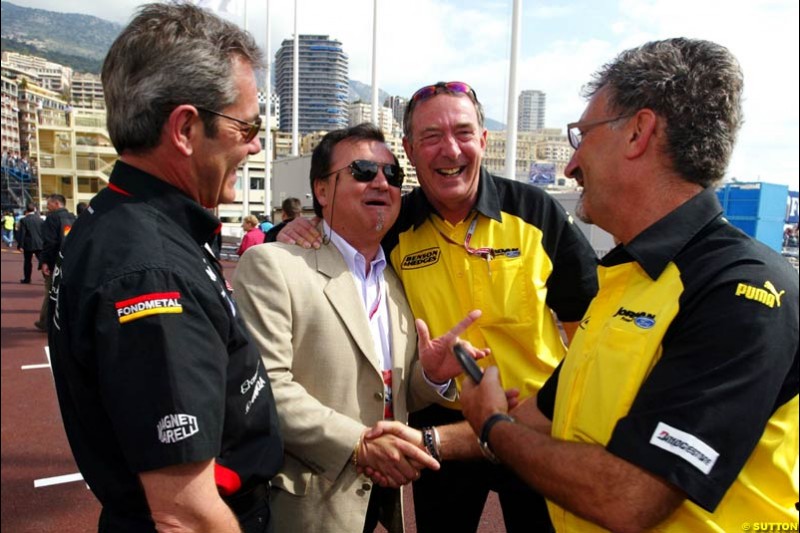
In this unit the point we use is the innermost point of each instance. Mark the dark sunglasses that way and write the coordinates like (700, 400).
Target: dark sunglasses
(365, 171)
(452, 86)
(254, 127)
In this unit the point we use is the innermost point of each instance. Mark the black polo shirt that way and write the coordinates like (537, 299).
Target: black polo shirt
(152, 363)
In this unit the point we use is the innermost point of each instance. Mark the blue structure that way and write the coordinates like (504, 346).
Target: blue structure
(758, 209)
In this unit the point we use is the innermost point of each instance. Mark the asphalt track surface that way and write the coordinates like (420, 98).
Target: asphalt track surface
(41, 489)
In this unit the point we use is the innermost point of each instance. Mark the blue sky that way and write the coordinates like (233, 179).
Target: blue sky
(562, 43)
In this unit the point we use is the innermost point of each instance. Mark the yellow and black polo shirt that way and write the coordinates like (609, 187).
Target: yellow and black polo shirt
(539, 263)
(686, 365)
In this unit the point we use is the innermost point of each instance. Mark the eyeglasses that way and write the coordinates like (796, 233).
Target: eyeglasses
(452, 86)
(254, 127)
(366, 171)
(575, 134)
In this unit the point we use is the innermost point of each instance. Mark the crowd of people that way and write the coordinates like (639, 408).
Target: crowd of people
(12, 162)
(656, 389)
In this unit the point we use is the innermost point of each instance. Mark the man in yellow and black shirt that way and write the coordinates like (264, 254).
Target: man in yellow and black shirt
(469, 240)
(676, 408)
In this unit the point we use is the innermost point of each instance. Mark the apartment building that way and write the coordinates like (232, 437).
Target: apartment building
(323, 84)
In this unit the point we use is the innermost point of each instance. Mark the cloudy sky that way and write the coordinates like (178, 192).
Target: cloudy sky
(562, 43)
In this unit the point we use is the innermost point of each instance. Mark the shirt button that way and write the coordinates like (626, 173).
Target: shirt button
(379, 396)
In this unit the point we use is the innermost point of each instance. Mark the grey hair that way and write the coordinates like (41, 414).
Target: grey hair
(169, 55)
(695, 85)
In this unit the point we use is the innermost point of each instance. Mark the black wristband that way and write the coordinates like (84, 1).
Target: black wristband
(483, 440)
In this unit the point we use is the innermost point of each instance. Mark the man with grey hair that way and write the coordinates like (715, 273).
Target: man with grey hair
(676, 407)
(164, 399)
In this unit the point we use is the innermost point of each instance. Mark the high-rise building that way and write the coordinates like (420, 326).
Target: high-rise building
(323, 84)
(530, 114)
(398, 105)
(10, 122)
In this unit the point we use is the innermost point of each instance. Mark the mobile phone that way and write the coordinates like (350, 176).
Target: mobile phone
(468, 363)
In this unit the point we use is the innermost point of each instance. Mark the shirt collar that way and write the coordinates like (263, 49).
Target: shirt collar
(355, 260)
(658, 245)
(488, 203)
(171, 201)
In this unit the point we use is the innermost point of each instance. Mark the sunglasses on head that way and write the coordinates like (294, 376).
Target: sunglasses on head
(450, 86)
(365, 171)
(253, 127)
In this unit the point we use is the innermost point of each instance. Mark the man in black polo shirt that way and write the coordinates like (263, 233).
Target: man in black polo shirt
(165, 401)
(676, 407)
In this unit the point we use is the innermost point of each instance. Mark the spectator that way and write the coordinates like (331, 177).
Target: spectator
(30, 240)
(266, 224)
(8, 228)
(252, 234)
(291, 210)
(56, 227)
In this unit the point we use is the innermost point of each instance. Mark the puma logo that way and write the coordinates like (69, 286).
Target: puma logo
(771, 288)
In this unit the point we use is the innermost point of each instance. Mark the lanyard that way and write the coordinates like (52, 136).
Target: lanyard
(484, 252)
(377, 303)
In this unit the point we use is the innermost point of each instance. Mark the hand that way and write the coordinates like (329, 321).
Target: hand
(395, 454)
(436, 355)
(302, 232)
(45, 269)
(479, 402)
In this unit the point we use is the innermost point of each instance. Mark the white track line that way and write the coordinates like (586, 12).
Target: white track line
(57, 480)
(33, 367)
(42, 365)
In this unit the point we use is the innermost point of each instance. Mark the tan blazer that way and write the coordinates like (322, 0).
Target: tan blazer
(307, 318)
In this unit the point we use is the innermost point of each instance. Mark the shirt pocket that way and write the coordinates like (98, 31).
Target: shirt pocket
(504, 291)
(609, 382)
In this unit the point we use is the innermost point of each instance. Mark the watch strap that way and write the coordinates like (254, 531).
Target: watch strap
(483, 440)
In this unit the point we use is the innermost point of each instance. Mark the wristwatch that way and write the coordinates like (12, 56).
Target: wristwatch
(483, 440)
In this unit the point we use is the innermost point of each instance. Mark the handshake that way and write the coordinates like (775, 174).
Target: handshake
(392, 454)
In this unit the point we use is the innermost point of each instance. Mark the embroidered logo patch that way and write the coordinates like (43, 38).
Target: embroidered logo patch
(686, 446)
(642, 319)
(769, 295)
(421, 259)
(153, 303)
(173, 428)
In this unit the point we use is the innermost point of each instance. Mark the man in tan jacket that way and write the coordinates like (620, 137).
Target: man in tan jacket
(338, 341)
